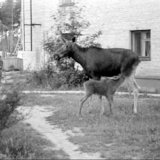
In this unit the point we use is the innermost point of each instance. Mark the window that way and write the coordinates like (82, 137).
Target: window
(65, 3)
(141, 44)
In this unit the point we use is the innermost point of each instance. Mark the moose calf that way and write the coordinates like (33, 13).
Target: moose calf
(104, 87)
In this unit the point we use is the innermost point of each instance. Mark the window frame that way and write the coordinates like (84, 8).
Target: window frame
(143, 58)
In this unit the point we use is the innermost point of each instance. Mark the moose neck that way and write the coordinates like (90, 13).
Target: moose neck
(79, 55)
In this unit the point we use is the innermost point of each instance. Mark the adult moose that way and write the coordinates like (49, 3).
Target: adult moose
(99, 62)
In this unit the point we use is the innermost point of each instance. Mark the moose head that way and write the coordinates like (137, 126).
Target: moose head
(66, 49)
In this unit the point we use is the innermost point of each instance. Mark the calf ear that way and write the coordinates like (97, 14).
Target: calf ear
(74, 39)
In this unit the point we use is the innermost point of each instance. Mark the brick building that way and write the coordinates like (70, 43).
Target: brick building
(132, 24)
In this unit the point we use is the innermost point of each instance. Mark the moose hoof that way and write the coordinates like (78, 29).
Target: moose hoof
(134, 111)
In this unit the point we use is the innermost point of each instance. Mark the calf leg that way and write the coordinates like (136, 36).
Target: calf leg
(82, 102)
(110, 102)
(90, 104)
(102, 107)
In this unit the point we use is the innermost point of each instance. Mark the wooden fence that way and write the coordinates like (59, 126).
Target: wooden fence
(12, 63)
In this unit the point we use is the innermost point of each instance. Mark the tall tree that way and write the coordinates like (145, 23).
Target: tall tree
(9, 21)
(10, 13)
(71, 23)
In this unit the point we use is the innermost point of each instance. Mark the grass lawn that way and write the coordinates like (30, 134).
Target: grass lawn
(117, 136)
(121, 135)
(22, 142)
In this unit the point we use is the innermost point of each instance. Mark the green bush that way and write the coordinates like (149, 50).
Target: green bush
(7, 108)
(16, 147)
(22, 142)
(8, 115)
(16, 140)
(73, 78)
(41, 77)
(68, 78)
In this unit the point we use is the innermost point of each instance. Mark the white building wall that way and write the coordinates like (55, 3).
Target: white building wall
(37, 12)
(115, 18)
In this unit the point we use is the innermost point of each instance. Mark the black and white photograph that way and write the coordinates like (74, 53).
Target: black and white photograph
(79, 79)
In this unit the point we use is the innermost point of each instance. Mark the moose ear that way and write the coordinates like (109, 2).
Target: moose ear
(74, 39)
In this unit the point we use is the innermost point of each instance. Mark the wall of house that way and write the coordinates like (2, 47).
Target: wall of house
(115, 18)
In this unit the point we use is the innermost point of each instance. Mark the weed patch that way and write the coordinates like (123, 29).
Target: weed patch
(22, 142)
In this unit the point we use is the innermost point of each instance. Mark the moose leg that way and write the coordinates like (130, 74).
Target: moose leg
(135, 92)
(130, 89)
(132, 77)
(82, 102)
(135, 89)
(136, 85)
(110, 101)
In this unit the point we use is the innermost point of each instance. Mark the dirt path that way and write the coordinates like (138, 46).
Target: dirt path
(36, 117)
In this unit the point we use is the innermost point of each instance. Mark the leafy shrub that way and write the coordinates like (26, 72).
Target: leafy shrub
(17, 141)
(22, 142)
(8, 116)
(16, 147)
(7, 108)
(68, 78)
(56, 81)
(73, 78)
(40, 78)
